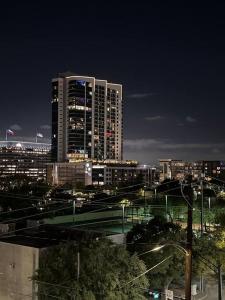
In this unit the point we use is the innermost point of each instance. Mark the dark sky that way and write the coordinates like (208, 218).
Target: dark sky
(169, 56)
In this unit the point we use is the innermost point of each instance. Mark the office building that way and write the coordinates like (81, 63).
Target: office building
(178, 169)
(69, 173)
(24, 158)
(171, 169)
(109, 172)
(87, 119)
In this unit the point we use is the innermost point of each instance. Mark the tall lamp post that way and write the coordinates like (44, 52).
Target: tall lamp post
(187, 269)
(123, 215)
(202, 205)
(188, 196)
(166, 198)
(124, 203)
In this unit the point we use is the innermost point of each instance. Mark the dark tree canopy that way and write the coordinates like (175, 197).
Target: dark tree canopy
(105, 270)
(144, 237)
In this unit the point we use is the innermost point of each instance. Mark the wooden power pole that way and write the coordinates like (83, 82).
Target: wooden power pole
(188, 192)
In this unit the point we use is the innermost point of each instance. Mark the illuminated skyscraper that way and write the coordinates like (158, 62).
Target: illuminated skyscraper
(86, 118)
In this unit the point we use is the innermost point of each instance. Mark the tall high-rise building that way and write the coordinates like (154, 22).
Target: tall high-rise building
(87, 118)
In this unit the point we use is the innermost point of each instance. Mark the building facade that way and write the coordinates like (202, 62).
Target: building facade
(109, 172)
(87, 119)
(18, 264)
(171, 168)
(178, 169)
(122, 172)
(24, 158)
(69, 173)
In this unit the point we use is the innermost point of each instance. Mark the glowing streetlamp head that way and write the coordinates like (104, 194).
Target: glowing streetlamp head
(157, 248)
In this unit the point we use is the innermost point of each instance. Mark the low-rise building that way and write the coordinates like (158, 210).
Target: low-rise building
(171, 168)
(122, 172)
(178, 169)
(20, 257)
(69, 173)
(110, 172)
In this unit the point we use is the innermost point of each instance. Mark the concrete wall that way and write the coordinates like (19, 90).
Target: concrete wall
(17, 266)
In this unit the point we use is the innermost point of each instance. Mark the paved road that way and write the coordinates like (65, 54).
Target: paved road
(212, 290)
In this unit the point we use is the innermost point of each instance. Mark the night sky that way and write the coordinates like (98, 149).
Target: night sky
(169, 56)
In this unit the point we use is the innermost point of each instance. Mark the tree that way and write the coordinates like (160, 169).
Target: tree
(220, 217)
(144, 237)
(105, 269)
(208, 251)
(169, 187)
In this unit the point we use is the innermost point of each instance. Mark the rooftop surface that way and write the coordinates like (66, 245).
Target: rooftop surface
(30, 241)
(22, 144)
(50, 235)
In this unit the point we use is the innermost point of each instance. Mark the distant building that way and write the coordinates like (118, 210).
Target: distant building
(178, 169)
(122, 172)
(171, 168)
(87, 118)
(210, 168)
(24, 158)
(69, 173)
(99, 173)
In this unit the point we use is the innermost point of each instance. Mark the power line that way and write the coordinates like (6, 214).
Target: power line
(22, 209)
(31, 227)
(35, 215)
(92, 203)
(105, 206)
(142, 274)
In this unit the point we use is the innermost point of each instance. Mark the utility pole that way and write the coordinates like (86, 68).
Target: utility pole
(74, 210)
(219, 274)
(78, 264)
(202, 205)
(188, 257)
(123, 215)
(166, 198)
(143, 194)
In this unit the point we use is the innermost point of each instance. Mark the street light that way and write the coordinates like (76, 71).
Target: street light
(123, 213)
(144, 198)
(157, 248)
(74, 210)
(187, 269)
(124, 203)
(166, 198)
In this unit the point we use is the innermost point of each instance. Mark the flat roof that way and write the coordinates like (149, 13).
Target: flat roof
(30, 241)
(23, 144)
(49, 235)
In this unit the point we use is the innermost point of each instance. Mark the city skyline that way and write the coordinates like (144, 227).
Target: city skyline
(168, 57)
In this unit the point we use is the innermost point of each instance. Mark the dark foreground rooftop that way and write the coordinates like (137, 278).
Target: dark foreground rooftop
(50, 235)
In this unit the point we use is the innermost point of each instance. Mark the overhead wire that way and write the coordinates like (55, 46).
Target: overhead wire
(97, 202)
